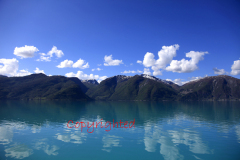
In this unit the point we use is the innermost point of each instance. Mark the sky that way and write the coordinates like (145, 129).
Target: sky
(175, 40)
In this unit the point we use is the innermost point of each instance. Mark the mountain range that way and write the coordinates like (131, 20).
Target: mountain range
(139, 87)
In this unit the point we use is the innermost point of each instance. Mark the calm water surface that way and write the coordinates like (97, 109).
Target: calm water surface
(162, 130)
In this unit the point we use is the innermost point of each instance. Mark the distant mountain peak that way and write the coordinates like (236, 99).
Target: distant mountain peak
(156, 79)
(123, 76)
(91, 81)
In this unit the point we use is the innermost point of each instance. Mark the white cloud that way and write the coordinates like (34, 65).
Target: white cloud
(80, 64)
(149, 60)
(9, 67)
(44, 57)
(235, 68)
(25, 52)
(99, 64)
(110, 62)
(165, 55)
(98, 69)
(22, 73)
(147, 71)
(219, 71)
(138, 61)
(82, 76)
(65, 63)
(132, 71)
(186, 66)
(37, 70)
(55, 51)
(156, 71)
(47, 57)
(178, 81)
(102, 78)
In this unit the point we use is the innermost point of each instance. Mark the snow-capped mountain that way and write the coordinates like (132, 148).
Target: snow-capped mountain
(156, 79)
(91, 81)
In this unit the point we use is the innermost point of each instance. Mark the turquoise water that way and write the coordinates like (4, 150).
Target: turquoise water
(162, 130)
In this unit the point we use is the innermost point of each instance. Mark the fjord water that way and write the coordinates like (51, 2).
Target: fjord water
(163, 130)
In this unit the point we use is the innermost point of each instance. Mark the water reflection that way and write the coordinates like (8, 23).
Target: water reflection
(18, 151)
(42, 144)
(110, 141)
(165, 130)
(75, 137)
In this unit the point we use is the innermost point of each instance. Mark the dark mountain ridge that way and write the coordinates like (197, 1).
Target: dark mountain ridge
(220, 87)
(40, 86)
(132, 88)
(120, 87)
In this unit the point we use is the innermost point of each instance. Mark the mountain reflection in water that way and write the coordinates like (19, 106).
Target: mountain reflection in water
(163, 130)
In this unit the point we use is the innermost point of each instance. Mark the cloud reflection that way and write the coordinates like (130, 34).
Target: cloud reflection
(6, 131)
(18, 151)
(110, 141)
(75, 137)
(192, 140)
(169, 140)
(48, 149)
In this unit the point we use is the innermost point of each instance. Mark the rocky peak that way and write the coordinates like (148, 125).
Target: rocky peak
(90, 81)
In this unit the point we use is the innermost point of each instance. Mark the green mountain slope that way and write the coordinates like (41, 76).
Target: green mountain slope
(211, 88)
(40, 86)
(89, 84)
(132, 88)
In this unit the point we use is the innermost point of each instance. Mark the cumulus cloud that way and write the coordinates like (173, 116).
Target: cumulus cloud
(102, 78)
(147, 71)
(55, 51)
(47, 57)
(138, 61)
(110, 62)
(149, 60)
(165, 56)
(44, 57)
(98, 69)
(65, 63)
(22, 73)
(235, 68)
(186, 66)
(25, 52)
(132, 71)
(80, 64)
(156, 71)
(9, 67)
(218, 71)
(37, 70)
(83, 76)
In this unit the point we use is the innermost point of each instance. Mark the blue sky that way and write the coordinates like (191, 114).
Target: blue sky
(113, 35)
